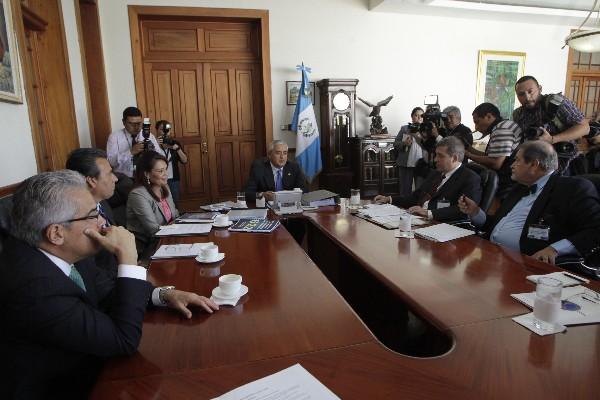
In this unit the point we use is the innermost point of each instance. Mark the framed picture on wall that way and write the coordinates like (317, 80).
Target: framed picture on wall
(497, 73)
(292, 90)
(10, 81)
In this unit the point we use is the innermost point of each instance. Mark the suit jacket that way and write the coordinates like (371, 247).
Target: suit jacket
(261, 178)
(108, 212)
(145, 217)
(54, 335)
(463, 181)
(568, 205)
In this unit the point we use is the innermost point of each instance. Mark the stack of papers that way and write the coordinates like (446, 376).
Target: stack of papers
(443, 232)
(179, 250)
(223, 206)
(197, 217)
(292, 383)
(255, 213)
(183, 230)
(319, 198)
(387, 215)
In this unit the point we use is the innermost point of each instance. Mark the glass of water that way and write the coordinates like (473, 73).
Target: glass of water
(241, 198)
(354, 197)
(547, 304)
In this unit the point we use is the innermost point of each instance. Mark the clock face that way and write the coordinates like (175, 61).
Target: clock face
(341, 101)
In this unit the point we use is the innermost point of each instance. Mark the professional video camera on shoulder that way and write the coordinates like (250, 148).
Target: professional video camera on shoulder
(433, 115)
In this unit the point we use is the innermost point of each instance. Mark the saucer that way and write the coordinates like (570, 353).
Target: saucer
(217, 293)
(229, 223)
(219, 257)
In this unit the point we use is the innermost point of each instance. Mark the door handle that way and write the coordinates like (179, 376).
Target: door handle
(204, 147)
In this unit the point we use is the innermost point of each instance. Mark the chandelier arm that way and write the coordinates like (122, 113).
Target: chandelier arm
(586, 18)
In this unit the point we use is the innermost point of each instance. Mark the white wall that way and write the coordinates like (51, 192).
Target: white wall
(407, 55)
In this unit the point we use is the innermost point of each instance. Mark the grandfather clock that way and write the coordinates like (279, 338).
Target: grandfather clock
(337, 128)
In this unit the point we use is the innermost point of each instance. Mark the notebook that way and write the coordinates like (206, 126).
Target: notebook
(197, 217)
(442, 232)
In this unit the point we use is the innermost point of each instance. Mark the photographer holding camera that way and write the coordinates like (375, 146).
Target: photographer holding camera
(455, 128)
(552, 118)
(505, 137)
(124, 145)
(173, 152)
(408, 146)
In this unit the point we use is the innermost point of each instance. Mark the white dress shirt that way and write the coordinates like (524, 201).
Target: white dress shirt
(447, 176)
(118, 150)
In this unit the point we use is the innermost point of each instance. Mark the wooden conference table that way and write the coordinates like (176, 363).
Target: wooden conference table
(293, 313)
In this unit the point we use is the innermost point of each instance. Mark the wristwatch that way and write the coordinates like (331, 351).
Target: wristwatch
(161, 292)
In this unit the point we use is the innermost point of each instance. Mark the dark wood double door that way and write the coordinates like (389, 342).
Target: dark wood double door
(205, 77)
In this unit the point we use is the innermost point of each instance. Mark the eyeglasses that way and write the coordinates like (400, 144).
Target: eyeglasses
(92, 215)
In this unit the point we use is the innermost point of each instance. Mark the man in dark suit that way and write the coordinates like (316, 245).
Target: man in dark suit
(437, 198)
(97, 171)
(61, 316)
(546, 215)
(275, 173)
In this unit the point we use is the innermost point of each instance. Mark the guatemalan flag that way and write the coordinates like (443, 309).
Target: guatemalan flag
(304, 123)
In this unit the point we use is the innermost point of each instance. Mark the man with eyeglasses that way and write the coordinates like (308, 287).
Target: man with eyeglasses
(125, 144)
(61, 315)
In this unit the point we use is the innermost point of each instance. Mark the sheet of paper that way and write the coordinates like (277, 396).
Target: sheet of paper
(293, 383)
(184, 229)
(393, 220)
(381, 210)
(566, 278)
(179, 250)
(589, 311)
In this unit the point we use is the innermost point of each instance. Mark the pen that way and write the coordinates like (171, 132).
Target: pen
(577, 278)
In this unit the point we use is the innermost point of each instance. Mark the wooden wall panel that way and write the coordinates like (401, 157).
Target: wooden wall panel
(173, 39)
(227, 40)
(247, 155)
(226, 175)
(196, 183)
(245, 102)
(222, 117)
(163, 95)
(188, 95)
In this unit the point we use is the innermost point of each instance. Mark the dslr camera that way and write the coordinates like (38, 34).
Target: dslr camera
(166, 139)
(146, 134)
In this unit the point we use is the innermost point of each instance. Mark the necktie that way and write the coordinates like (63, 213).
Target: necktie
(103, 215)
(76, 277)
(428, 195)
(532, 189)
(279, 181)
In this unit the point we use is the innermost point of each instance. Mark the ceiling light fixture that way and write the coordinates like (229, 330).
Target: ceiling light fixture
(585, 41)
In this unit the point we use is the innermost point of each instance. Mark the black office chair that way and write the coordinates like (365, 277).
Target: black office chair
(489, 185)
(118, 201)
(594, 178)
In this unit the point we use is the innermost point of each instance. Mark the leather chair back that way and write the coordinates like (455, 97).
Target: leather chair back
(489, 185)
(6, 205)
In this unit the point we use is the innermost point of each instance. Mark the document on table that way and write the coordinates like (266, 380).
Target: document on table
(293, 383)
(183, 229)
(381, 210)
(179, 250)
(586, 299)
(567, 278)
(442, 232)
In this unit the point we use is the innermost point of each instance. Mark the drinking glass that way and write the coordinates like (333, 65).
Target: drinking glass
(354, 197)
(260, 200)
(547, 303)
(241, 198)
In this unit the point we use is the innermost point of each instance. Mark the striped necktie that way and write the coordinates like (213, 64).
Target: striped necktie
(279, 181)
(103, 215)
(75, 276)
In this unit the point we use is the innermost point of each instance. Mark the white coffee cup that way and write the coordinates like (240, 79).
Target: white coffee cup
(230, 284)
(209, 252)
(222, 219)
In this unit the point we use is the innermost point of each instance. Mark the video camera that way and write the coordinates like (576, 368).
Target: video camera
(433, 114)
(594, 132)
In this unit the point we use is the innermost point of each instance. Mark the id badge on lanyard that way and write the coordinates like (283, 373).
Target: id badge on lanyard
(539, 231)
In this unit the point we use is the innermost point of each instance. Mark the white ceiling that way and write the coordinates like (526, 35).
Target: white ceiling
(554, 12)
